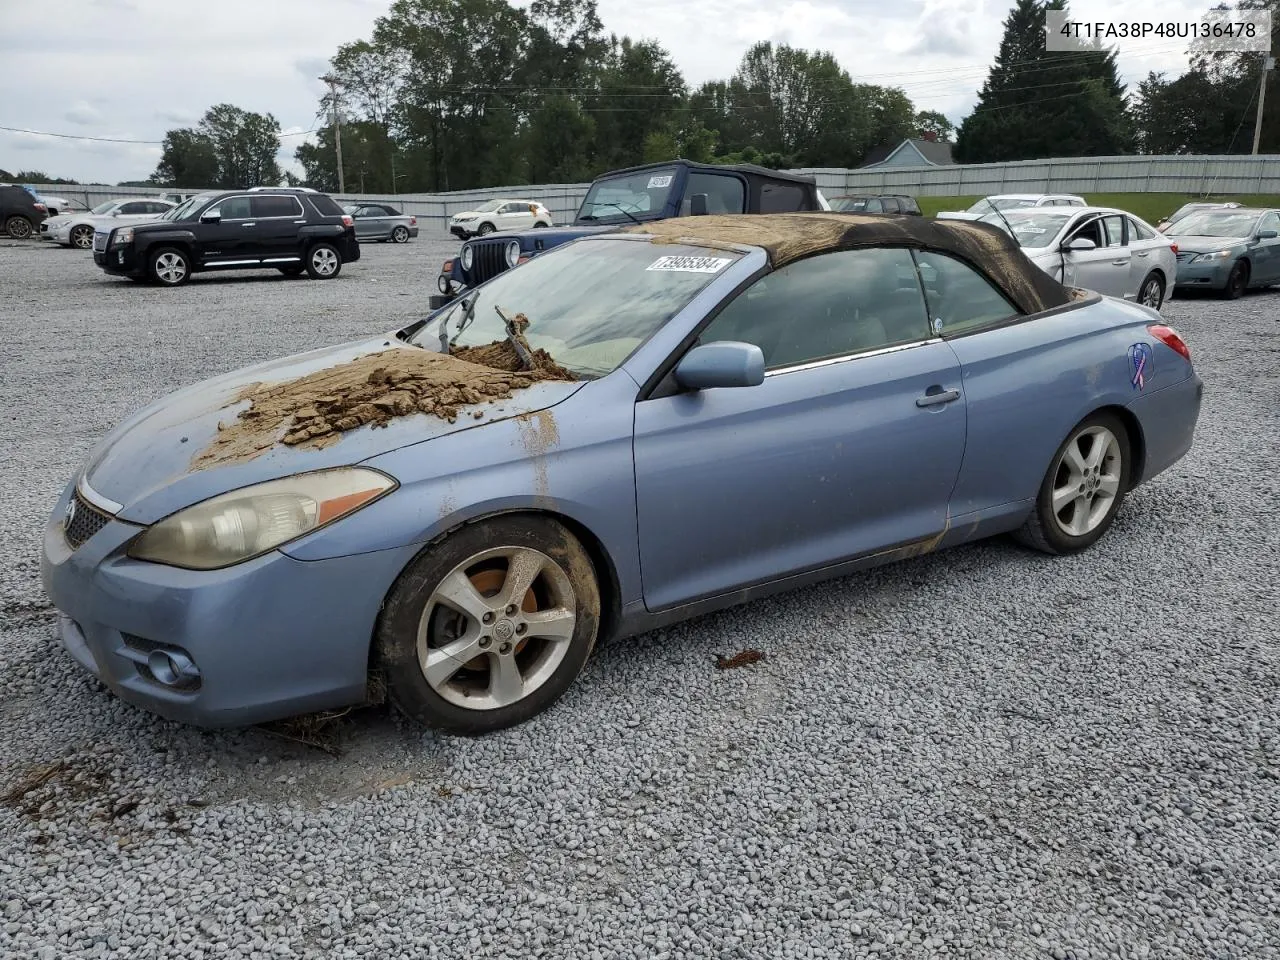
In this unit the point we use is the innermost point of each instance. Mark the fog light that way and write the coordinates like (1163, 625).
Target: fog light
(171, 668)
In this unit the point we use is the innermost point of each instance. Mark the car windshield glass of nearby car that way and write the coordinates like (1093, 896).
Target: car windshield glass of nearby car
(182, 210)
(1031, 229)
(631, 194)
(987, 204)
(104, 207)
(589, 305)
(1217, 223)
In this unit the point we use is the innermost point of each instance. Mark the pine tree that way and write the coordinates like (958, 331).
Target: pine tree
(1037, 103)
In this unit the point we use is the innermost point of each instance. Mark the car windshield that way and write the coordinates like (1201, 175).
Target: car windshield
(104, 207)
(589, 304)
(849, 204)
(489, 207)
(1217, 223)
(181, 210)
(625, 198)
(350, 207)
(1031, 229)
(990, 204)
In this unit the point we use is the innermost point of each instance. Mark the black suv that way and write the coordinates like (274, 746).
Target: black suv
(20, 212)
(290, 230)
(875, 203)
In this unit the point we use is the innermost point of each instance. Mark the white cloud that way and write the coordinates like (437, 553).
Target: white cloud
(83, 114)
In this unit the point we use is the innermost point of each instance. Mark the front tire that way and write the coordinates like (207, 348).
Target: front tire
(323, 262)
(1237, 281)
(489, 625)
(1151, 293)
(485, 229)
(1082, 489)
(82, 237)
(400, 235)
(19, 228)
(169, 267)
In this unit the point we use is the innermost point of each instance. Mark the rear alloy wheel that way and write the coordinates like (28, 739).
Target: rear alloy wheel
(489, 625)
(1151, 293)
(19, 228)
(82, 237)
(323, 262)
(1083, 489)
(1237, 281)
(169, 267)
(400, 234)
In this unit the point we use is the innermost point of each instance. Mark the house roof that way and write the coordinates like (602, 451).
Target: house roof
(787, 237)
(935, 153)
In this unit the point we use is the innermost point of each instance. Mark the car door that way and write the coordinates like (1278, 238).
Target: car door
(517, 216)
(1144, 253)
(849, 447)
(227, 232)
(133, 211)
(278, 219)
(1104, 269)
(1266, 250)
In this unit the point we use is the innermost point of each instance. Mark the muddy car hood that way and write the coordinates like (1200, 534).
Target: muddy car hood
(146, 463)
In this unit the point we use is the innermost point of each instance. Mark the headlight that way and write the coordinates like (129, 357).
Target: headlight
(1217, 255)
(245, 523)
(123, 235)
(513, 253)
(463, 218)
(467, 255)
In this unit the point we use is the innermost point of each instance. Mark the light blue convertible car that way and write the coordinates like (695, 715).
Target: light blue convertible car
(648, 425)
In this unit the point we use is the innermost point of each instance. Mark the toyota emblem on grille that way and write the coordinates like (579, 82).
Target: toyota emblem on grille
(69, 517)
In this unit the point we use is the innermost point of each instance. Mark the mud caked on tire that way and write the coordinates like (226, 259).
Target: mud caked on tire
(489, 625)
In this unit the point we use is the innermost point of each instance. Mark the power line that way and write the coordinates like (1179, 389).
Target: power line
(73, 136)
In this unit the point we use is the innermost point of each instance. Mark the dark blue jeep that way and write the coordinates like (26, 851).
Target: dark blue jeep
(655, 191)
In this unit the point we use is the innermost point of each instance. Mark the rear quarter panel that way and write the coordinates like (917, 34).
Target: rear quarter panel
(1028, 384)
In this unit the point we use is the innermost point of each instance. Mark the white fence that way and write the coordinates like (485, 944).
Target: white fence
(1187, 175)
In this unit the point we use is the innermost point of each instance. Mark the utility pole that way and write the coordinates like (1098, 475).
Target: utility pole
(332, 81)
(1268, 63)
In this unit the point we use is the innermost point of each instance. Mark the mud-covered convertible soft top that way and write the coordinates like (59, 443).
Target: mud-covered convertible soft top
(790, 236)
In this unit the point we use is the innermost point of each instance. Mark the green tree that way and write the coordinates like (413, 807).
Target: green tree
(188, 159)
(1089, 116)
(932, 123)
(39, 176)
(231, 148)
(639, 92)
(558, 142)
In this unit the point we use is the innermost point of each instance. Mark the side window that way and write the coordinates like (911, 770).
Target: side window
(724, 194)
(269, 206)
(909, 205)
(1114, 229)
(1269, 221)
(135, 207)
(781, 197)
(831, 305)
(233, 208)
(1091, 230)
(1138, 231)
(891, 205)
(961, 300)
(874, 205)
(159, 207)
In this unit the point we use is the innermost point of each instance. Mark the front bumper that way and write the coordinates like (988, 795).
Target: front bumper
(121, 261)
(270, 638)
(58, 232)
(1208, 274)
(461, 230)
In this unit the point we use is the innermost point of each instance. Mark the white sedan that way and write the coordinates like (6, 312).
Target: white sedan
(76, 229)
(1102, 249)
(1013, 201)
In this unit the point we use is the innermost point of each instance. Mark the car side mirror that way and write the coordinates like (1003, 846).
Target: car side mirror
(698, 205)
(1080, 243)
(724, 363)
(213, 216)
(1267, 234)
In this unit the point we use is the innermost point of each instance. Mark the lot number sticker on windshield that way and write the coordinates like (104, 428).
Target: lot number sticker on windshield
(657, 182)
(691, 264)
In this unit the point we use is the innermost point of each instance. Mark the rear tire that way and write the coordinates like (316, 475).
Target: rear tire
(19, 228)
(1237, 281)
(1151, 293)
(536, 611)
(169, 267)
(323, 262)
(400, 235)
(1083, 488)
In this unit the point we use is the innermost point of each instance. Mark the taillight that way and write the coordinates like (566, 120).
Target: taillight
(347, 221)
(41, 207)
(413, 221)
(1174, 248)
(1169, 337)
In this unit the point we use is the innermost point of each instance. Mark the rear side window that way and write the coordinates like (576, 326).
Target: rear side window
(276, 206)
(782, 197)
(1139, 232)
(724, 194)
(135, 207)
(909, 205)
(1114, 229)
(325, 205)
(891, 205)
(961, 300)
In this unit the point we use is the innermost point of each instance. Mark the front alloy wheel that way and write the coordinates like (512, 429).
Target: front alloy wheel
(169, 267)
(489, 626)
(1083, 488)
(82, 237)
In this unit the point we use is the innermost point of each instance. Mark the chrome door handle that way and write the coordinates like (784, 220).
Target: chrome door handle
(933, 399)
(1144, 253)
(1119, 263)
(248, 224)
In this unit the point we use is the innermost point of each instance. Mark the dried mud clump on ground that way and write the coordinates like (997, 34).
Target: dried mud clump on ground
(315, 410)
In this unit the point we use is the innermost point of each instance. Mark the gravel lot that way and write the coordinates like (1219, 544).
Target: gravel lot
(984, 753)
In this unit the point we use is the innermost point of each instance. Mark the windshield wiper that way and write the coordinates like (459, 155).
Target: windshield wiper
(626, 213)
(513, 338)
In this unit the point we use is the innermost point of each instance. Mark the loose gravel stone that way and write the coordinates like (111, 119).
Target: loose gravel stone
(983, 753)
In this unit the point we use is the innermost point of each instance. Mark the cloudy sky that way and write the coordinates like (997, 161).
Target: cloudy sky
(128, 70)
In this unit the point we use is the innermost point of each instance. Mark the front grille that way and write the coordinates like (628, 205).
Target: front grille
(99, 242)
(489, 259)
(86, 520)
